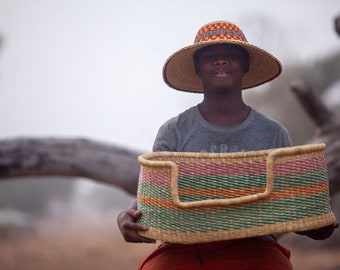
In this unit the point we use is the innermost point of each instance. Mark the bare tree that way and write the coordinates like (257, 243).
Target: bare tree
(337, 25)
(327, 123)
(69, 157)
(328, 129)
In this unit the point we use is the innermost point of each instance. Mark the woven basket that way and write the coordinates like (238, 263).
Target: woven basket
(203, 197)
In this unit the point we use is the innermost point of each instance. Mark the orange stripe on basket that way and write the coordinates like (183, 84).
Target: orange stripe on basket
(156, 202)
(300, 191)
(231, 193)
(279, 194)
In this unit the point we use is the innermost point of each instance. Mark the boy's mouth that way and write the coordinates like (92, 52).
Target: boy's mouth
(221, 73)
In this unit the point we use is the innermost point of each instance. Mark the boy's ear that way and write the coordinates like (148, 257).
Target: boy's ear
(197, 69)
(246, 64)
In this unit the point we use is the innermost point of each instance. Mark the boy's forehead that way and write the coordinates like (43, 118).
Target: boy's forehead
(220, 48)
(216, 47)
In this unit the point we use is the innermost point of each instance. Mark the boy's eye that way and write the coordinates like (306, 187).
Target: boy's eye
(228, 56)
(208, 57)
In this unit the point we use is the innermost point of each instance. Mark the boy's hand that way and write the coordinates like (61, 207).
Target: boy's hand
(128, 226)
(321, 233)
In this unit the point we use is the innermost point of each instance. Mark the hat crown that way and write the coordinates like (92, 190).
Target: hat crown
(219, 31)
(179, 69)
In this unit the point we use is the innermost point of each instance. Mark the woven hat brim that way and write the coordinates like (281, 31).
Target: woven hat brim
(179, 71)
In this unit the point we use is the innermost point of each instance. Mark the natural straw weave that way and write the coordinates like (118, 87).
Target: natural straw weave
(203, 197)
(179, 70)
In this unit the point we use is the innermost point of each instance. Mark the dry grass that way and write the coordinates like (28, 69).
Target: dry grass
(72, 245)
(97, 245)
(316, 260)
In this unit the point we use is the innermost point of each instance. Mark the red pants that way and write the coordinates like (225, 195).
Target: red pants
(246, 254)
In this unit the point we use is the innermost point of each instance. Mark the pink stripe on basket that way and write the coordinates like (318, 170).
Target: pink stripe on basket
(214, 169)
(155, 177)
(301, 166)
(161, 177)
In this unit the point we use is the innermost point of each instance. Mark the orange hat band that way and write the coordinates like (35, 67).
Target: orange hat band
(219, 31)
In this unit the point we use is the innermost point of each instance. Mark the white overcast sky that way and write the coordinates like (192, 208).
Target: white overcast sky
(92, 68)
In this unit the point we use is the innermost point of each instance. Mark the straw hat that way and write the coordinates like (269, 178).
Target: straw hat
(179, 71)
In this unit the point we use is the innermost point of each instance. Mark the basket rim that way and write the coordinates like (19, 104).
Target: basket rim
(282, 151)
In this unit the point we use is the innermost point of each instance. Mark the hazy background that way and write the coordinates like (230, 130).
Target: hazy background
(93, 69)
(85, 68)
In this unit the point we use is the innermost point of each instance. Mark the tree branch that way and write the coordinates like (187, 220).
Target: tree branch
(70, 157)
(312, 104)
(328, 131)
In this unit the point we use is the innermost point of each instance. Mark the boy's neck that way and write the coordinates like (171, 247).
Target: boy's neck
(224, 110)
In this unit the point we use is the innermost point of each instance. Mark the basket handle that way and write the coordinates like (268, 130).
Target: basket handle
(271, 158)
(226, 202)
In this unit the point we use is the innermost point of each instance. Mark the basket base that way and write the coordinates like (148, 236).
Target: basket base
(303, 224)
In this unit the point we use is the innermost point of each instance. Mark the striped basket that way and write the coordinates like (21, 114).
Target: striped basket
(203, 197)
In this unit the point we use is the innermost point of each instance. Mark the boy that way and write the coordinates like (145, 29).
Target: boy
(220, 64)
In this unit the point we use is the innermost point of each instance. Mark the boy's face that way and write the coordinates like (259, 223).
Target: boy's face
(221, 66)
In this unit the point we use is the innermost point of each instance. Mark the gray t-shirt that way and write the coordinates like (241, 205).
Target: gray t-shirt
(190, 132)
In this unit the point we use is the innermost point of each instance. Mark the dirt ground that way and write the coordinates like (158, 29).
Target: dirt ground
(97, 245)
(71, 245)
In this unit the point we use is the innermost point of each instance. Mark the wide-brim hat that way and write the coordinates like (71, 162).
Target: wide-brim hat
(179, 69)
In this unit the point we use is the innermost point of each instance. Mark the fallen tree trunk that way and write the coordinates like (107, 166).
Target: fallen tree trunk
(69, 157)
(328, 129)
(118, 166)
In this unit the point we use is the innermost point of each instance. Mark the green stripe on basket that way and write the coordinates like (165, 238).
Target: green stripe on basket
(301, 179)
(153, 191)
(246, 216)
(223, 182)
(280, 183)
(252, 180)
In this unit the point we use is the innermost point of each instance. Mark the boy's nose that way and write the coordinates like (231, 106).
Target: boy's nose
(222, 61)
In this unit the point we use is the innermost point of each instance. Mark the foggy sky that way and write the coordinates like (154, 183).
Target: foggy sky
(92, 68)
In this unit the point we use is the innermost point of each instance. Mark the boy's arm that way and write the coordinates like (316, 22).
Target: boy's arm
(321, 233)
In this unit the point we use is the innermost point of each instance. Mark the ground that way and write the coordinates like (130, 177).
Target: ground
(97, 245)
